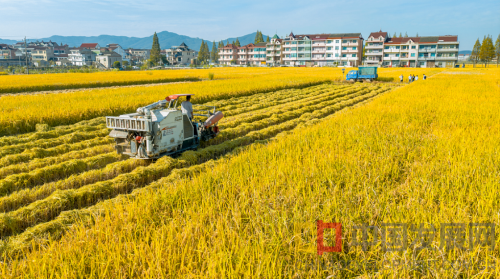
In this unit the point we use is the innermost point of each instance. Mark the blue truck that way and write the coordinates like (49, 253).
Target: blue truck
(363, 73)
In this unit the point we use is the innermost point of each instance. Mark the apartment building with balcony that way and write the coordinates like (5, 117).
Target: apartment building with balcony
(425, 52)
(322, 49)
(428, 51)
(274, 52)
(257, 54)
(228, 55)
(374, 48)
(351, 51)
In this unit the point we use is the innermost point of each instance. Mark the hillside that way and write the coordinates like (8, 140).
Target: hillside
(167, 40)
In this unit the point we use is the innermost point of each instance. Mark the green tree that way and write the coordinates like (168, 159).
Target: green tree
(214, 53)
(258, 37)
(395, 35)
(474, 56)
(406, 35)
(400, 35)
(155, 55)
(237, 43)
(267, 40)
(227, 43)
(116, 64)
(487, 51)
(203, 54)
(497, 49)
(125, 63)
(221, 44)
(233, 43)
(417, 35)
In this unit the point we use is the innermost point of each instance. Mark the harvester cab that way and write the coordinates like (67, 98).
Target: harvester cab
(161, 129)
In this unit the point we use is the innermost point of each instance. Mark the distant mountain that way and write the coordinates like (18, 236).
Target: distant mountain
(166, 39)
(465, 52)
(9, 42)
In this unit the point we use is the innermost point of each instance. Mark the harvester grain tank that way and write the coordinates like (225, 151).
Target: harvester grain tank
(161, 129)
(363, 73)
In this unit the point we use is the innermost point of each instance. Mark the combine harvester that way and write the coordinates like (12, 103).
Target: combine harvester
(363, 73)
(157, 130)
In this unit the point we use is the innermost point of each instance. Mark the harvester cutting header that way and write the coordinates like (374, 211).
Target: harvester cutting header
(157, 130)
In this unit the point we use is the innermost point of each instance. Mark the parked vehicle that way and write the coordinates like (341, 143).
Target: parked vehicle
(363, 73)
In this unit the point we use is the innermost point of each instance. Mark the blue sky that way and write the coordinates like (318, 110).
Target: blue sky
(216, 20)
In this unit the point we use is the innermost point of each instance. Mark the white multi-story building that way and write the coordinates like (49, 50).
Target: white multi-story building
(343, 49)
(429, 51)
(81, 56)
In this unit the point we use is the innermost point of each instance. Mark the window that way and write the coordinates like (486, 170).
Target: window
(386, 55)
(329, 48)
(354, 41)
(413, 55)
(413, 47)
(336, 48)
(336, 55)
(353, 48)
(344, 48)
(337, 41)
(397, 47)
(397, 54)
(354, 55)
(329, 41)
(343, 55)
(329, 55)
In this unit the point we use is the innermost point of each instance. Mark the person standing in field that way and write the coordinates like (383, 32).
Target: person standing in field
(409, 78)
(416, 78)
(401, 78)
(187, 107)
(425, 77)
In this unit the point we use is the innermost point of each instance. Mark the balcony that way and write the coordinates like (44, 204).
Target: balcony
(374, 47)
(426, 58)
(374, 53)
(447, 58)
(350, 51)
(447, 49)
(319, 44)
(427, 49)
(349, 44)
(391, 58)
(319, 51)
(392, 50)
(318, 58)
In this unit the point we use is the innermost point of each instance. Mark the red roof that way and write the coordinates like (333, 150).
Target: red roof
(230, 46)
(449, 38)
(378, 34)
(89, 45)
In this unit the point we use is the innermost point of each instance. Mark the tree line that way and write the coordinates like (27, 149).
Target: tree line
(486, 51)
(204, 55)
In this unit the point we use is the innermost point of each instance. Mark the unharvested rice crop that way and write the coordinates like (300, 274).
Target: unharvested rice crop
(245, 204)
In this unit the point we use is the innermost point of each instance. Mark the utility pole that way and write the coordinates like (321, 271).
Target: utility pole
(26, 54)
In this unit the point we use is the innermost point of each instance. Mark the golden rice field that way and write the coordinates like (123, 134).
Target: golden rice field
(295, 147)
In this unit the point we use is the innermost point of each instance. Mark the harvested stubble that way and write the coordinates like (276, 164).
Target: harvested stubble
(321, 96)
(26, 196)
(55, 132)
(43, 162)
(62, 170)
(33, 153)
(46, 143)
(44, 210)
